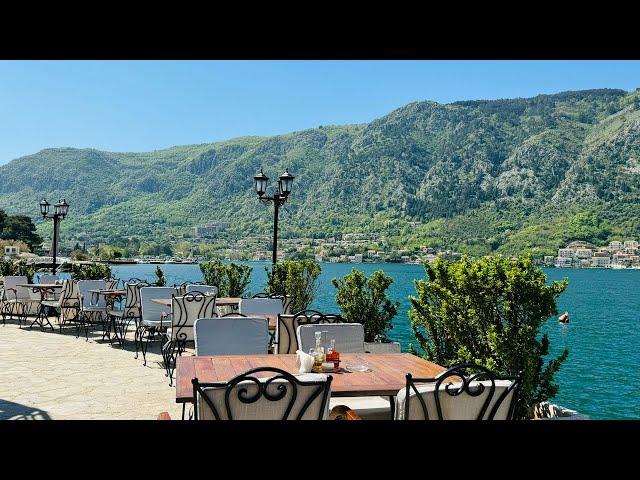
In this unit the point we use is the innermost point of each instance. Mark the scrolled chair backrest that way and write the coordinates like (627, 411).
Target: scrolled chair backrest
(132, 300)
(186, 310)
(91, 299)
(287, 326)
(67, 291)
(231, 335)
(12, 290)
(150, 310)
(285, 299)
(264, 393)
(349, 337)
(70, 296)
(464, 392)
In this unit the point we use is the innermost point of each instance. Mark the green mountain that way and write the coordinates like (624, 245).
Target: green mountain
(505, 175)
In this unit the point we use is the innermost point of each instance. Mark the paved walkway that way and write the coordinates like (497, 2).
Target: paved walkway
(45, 375)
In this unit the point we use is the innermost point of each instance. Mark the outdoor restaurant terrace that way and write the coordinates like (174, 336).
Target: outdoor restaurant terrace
(125, 349)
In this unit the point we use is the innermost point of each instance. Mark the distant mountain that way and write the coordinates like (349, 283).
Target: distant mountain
(502, 175)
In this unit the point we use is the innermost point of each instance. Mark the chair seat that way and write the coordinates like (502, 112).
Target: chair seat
(52, 303)
(22, 300)
(116, 313)
(155, 323)
(94, 309)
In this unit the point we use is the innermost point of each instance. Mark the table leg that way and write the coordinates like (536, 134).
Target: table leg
(41, 318)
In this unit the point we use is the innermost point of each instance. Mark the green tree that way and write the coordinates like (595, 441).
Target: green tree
(232, 280)
(298, 279)
(19, 227)
(489, 311)
(364, 300)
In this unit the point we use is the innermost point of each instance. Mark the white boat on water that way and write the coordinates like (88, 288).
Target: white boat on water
(617, 266)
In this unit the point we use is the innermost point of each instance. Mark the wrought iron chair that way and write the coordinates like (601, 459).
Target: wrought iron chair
(19, 301)
(93, 307)
(66, 305)
(131, 310)
(185, 311)
(464, 392)
(287, 326)
(10, 305)
(285, 299)
(231, 335)
(152, 323)
(252, 396)
(257, 306)
(349, 337)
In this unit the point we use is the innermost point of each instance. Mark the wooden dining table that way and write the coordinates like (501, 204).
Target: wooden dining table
(385, 376)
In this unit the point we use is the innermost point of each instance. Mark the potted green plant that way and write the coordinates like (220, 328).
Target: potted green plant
(364, 300)
(296, 280)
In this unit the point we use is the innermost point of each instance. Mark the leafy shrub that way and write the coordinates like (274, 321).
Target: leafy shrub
(489, 311)
(16, 268)
(232, 280)
(161, 281)
(91, 271)
(364, 300)
(296, 278)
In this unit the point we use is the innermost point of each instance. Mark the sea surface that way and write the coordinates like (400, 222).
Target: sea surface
(600, 378)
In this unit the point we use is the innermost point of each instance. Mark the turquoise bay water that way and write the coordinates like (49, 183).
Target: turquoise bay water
(600, 378)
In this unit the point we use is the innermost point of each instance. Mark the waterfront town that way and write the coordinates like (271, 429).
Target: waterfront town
(212, 241)
(618, 254)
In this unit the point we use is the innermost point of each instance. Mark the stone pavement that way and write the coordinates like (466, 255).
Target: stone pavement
(46, 375)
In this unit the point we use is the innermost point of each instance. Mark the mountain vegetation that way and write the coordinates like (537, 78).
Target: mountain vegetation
(509, 176)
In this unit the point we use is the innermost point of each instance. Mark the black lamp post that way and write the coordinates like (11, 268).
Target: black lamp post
(60, 210)
(278, 199)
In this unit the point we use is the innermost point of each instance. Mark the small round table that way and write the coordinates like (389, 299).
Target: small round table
(43, 289)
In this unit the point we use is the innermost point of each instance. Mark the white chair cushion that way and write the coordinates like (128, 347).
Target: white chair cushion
(349, 337)
(260, 306)
(460, 407)
(264, 409)
(231, 336)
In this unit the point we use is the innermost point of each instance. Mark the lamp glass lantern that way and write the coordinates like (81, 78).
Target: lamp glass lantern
(286, 181)
(261, 183)
(62, 208)
(44, 207)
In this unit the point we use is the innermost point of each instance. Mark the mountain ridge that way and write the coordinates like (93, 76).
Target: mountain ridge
(481, 176)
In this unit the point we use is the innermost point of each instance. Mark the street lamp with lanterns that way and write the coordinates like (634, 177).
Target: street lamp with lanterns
(278, 199)
(60, 211)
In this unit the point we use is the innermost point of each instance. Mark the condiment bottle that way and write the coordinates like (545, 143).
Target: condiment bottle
(318, 354)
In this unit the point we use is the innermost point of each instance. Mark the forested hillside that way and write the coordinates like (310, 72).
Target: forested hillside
(506, 175)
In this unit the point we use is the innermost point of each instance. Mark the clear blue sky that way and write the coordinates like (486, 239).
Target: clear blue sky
(145, 105)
